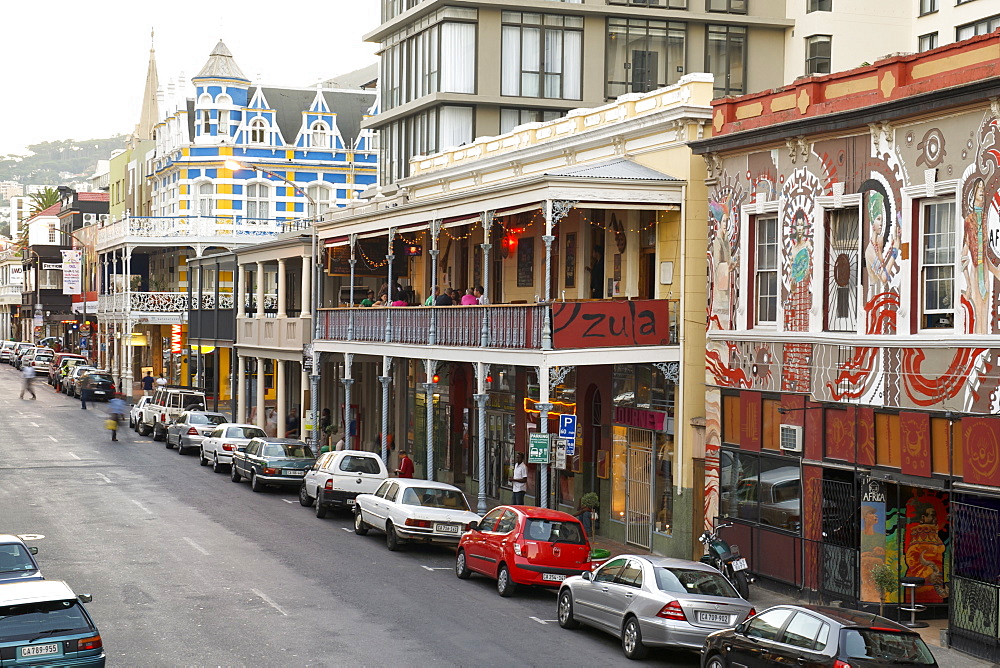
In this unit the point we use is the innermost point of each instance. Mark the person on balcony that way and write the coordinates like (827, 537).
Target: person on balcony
(369, 299)
(469, 299)
(435, 293)
(399, 299)
(596, 270)
(443, 299)
(481, 297)
(456, 296)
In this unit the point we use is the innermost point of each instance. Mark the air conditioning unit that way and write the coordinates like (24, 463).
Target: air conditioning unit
(103, 218)
(89, 218)
(790, 438)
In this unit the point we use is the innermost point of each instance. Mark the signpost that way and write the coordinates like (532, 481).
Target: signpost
(561, 452)
(539, 446)
(567, 431)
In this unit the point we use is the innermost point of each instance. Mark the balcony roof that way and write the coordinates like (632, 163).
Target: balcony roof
(621, 169)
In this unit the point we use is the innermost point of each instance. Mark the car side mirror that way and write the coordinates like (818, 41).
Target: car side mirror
(587, 575)
(33, 549)
(473, 526)
(85, 598)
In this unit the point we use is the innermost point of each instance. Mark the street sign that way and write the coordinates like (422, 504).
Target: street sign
(561, 451)
(538, 448)
(571, 447)
(567, 427)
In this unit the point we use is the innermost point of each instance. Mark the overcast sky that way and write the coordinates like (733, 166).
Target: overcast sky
(76, 70)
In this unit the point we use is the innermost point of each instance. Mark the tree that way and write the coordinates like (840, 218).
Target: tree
(43, 199)
(885, 582)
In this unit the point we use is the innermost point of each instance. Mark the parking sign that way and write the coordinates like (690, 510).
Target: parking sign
(567, 427)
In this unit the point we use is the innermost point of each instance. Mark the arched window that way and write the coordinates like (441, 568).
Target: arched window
(323, 197)
(258, 131)
(320, 135)
(205, 204)
(258, 202)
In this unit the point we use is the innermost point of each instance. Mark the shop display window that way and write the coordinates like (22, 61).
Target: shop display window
(761, 490)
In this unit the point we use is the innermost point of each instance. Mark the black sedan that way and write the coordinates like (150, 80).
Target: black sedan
(809, 635)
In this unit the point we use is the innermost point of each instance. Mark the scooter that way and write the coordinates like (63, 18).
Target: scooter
(726, 558)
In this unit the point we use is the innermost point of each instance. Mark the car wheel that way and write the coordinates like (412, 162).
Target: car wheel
(632, 640)
(391, 539)
(565, 610)
(359, 524)
(181, 450)
(461, 568)
(304, 498)
(715, 662)
(505, 586)
(216, 466)
(234, 474)
(201, 457)
(255, 483)
(143, 429)
(320, 508)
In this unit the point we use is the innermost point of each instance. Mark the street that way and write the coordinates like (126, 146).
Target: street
(188, 568)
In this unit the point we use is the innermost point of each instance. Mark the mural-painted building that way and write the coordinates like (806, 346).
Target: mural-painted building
(852, 357)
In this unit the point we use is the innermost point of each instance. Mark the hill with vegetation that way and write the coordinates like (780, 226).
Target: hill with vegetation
(58, 161)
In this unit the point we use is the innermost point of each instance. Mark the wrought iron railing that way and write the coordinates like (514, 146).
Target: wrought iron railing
(160, 302)
(229, 228)
(974, 609)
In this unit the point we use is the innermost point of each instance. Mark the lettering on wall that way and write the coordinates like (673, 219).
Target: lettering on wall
(610, 324)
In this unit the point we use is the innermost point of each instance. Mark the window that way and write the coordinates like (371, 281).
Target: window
(541, 55)
(643, 55)
(818, 48)
(727, 6)
(511, 118)
(927, 42)
(206, 120)
(258, 131)
(928, 6)
(819, 6)
(224, 122)
(490, 520)
(323, 197)
(508, 522)
(631, 575)
(766, 271)
(677, 580)
(359, 464)
(768, 624)
(258, 201)
(610, 571)
(725, 58)
(982, 27)
(937, 265)
(842, 257)
(761, 490)
(422, 133)
(666, 4)
(805, 631)
(204, 204)
(319, 135)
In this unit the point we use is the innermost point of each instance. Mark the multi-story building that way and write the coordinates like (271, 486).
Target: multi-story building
(851, 358)
(11, 284)
(43, 305)
(231, 166)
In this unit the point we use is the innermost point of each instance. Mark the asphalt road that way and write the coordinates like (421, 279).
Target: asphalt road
(188, 568)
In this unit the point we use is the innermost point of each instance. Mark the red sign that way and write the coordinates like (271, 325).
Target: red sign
(176, 343)
(610, 324)
(639, 418)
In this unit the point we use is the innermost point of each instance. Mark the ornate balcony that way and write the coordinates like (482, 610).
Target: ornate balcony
(227, 231)
(10, 294)
(163, 308)
(291, 333)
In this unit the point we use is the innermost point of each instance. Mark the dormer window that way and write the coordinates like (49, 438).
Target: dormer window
(258, 130)
(320, 135)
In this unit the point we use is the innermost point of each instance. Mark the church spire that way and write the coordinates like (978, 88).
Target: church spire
(150, 114)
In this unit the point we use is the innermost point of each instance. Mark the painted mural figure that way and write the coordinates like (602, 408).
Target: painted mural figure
(724, 267)
(925, 550)
(882, 252)
(800, 275)
(979, 260)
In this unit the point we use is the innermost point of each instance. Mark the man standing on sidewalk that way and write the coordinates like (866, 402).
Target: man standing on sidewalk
(519, 481)
(28, 372)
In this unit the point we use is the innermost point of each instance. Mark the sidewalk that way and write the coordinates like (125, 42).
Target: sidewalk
(762, 596)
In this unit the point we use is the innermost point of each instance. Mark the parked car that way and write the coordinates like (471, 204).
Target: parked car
(22, 350)
(6, 350)
(272, 461)
(521, 545)
(43, 623)
(60, 365)
(218, 447)
(338, 477)
(190, 427)
(810, 635)
(39, 359)
(96, 384)
(410, 510)
(652, 602)
(17, 560)
(135, 412)
(70, 382)
(166, 404)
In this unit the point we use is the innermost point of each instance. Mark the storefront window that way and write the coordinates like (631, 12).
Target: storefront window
(664, 521)
(619, 449)
(761, 490)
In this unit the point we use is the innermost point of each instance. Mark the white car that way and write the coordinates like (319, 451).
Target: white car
(410, 510)
(135, 414)
(338, 477)
(218, 447)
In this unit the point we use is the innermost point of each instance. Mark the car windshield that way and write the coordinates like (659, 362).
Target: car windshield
(245, 432)
(430, 497)
(884, 646)
(29, 621)
(359, 464)
(100, 377)
(693, 581)
(286, 450)
(554, 531)
(14, 558)
(202, 418)
(43, 357)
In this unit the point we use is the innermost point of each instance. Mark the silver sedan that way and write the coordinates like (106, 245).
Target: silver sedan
(190, 427)
(652, 602)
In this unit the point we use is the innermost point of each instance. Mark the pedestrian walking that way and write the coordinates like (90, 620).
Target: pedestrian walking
(116, 415)
(405, 468)
(28, 372)
(161, 381)
(147, 383)
(84, 385)
(519, 480)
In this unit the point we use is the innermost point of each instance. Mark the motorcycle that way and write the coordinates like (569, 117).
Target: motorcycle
(726, 558)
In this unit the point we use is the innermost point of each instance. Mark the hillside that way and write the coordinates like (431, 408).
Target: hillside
(50, 161)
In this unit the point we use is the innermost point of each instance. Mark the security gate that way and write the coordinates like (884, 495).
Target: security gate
(639, 488)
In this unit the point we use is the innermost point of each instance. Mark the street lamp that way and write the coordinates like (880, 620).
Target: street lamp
(313, 358)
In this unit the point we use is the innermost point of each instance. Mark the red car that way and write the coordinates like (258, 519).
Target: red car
(522, 545)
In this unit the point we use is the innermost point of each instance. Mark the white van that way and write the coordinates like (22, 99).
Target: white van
(338, 477)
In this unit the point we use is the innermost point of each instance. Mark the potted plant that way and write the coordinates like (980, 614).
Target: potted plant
(590, 503)
(885, 582)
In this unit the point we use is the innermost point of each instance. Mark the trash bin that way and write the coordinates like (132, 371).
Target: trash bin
(598, 557)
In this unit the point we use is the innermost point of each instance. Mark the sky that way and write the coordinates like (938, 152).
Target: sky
(76, 70)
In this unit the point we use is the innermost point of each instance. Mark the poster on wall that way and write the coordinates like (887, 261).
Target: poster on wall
(525, 262)
(873, 539)
(16, 276)
(72, 266)
(926, 543)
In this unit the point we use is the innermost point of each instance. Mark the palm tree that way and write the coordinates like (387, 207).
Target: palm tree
(43, 199)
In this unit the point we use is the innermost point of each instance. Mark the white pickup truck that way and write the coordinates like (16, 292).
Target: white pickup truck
(166, 404)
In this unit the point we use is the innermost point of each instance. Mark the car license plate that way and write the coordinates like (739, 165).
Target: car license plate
(295, 472)
(99, 392)
(40, 650)
(446, 528)
(739, 565)
(713, 617)
(553, 577)
(349, 502)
